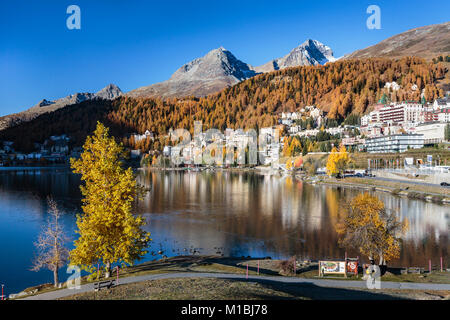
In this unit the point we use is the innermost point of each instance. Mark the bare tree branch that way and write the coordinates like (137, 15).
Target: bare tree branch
(50, 245)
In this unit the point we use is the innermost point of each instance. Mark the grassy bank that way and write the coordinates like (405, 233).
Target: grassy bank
(228, 289)
(219, 289)
(267, 267)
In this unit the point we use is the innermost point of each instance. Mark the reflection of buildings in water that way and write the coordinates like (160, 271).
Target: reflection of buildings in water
(300, 205)
(269, 195)
(422, 216)
(233, 210)
(237, 196)
(192, 185)
(315, 209)
(295, 202)
(290, 203)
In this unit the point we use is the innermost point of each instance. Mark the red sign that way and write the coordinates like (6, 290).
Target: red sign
(352, 267)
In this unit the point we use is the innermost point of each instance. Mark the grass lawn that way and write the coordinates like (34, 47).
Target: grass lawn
(267, 267)
(230, 289)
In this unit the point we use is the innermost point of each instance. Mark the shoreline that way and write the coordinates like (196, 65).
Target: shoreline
(402, 188)
(29, 168)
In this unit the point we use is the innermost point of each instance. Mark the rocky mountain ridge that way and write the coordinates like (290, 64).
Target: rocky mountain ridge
(110, 92)
(219, 68)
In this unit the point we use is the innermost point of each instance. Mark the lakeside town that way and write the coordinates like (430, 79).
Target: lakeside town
(389, 128)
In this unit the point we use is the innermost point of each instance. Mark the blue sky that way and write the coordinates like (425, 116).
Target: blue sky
(136, 43)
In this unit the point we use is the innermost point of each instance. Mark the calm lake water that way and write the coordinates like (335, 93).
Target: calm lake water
(235, 214)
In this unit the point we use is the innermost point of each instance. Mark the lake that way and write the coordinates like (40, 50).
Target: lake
(229, 213)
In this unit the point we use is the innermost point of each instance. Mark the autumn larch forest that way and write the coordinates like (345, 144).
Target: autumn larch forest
(341, 88)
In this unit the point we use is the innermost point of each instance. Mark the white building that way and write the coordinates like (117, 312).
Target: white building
(374, 116)
(441, 103)
(413, 112)
(315, 113)
(308, 133)
(136, 153)
(140, 137)
(295, 129)
(167, 151)
(335, 130)
(444, 116)
(432, 133)
(365, 120)
(405, 112)
(392, 85)
(394, 143)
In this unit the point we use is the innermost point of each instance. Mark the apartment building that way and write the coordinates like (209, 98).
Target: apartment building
(394, 143)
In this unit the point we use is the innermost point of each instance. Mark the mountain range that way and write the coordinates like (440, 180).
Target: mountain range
(109, 92)
(219, 69)
(425, 42)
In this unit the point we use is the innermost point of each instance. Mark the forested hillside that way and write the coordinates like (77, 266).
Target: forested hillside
(340, 88)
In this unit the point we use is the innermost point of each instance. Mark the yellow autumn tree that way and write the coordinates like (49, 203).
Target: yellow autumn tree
(331, 162)
(367, 226)
(108, 232)
(289, 164)
(337, 161)
(343, 160)
(287, 150)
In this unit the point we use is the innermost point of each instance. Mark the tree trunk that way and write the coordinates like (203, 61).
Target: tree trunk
(382, 260)
(108, 270)
(55, 276)
(383, 266)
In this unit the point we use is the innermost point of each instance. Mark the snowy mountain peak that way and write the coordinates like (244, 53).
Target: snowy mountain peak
(111, 91)
(216, 64)
(309, 53)
(219, 68)
(44, 103)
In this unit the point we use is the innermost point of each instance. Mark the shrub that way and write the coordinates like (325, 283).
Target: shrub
(417, 195)
(437, 198)
(287, 266)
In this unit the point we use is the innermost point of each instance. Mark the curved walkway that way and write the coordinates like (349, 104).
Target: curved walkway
(318, 282)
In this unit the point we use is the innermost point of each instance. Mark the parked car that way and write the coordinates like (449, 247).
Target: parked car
(360, 175)
(445, 184)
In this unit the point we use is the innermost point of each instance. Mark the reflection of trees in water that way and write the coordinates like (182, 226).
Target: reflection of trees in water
(417, 253)
(59, 183)
(33, 186)
(287, 215)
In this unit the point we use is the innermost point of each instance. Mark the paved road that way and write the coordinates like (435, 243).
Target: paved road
(318, 282)
(426, 184)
